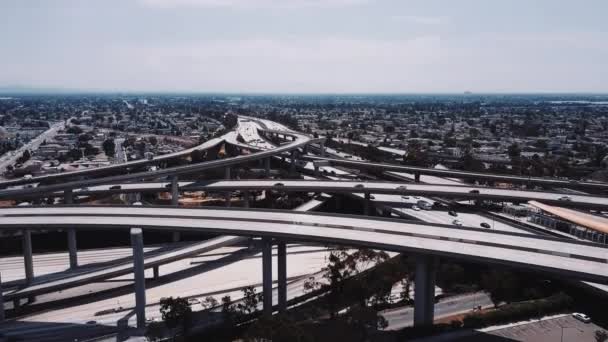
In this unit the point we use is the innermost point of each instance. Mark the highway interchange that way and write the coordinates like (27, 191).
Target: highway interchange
(581, 260)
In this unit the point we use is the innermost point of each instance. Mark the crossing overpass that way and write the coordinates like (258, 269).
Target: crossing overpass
(554, 182)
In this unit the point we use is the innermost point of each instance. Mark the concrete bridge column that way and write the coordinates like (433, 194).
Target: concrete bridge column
(175, 202)
(424, 291)
(292, 166)
(137, 243)
(267, 275)
(267, 166)
(174, 191)
(227, 199)
(1, 302)
(156, 272)
(367, 205)
(227, 172)
(72, 248)
(282, 275)
(316, 170)
(322, 152)
(417, 177)
(68, 198)
(246, 196)
(27, 256)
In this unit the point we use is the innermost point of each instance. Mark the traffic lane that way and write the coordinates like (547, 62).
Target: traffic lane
(539, 259)
(343, 222)
(407, 189)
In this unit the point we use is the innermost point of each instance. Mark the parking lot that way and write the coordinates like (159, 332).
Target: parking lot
(541, 331)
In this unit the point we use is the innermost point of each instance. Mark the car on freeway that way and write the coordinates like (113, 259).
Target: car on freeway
(92, 322)
(582, 317)
(116, 187)
(415, 208)
(359, 186)
(279, 184)
(485, 225)
(452, 213)
(457, 223)
(474, 191)
(193, 301)
(416, 197)
(565, 198)
(402, 188)
(372, 197)
(405, 197)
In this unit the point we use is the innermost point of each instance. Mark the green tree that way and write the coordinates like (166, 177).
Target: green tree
(109, 147)
(176, 312)
(251, 299)
(503, 286)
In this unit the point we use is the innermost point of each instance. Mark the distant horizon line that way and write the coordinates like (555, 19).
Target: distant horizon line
(23, 90)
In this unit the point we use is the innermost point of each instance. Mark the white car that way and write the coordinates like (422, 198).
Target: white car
(193, 301)
(457, 223)
(415, 208)
(565, 198)
(582, 317)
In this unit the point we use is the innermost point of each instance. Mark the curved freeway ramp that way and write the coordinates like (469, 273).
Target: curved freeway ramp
(299, 141)
(597, 223)
(578, 260)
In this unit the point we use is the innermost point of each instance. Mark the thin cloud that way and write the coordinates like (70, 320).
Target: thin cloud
(421, 20)
(250, 4)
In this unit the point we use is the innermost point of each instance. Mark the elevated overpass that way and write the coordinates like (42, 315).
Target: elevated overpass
(553, 182)
(299, 140)
(557, 257)
(450, 191)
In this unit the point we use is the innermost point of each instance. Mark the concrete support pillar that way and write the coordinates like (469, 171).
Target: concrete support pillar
(68, 198)
(175, 202)
(27, 256)
(227, 172)
(424, 291)
(292, 166)
(246, 196)
(156, 272)
(227, 199)
(267, 275)
(137, 243)
(267, 166)
(72, 248)
(316, 171)
(322, 152)
(282, 275)
(367, 205)
(417, 177)
(174, 191)
(1, 302)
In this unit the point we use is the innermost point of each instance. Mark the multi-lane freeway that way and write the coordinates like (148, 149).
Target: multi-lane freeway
(579, 260)
(554, 182)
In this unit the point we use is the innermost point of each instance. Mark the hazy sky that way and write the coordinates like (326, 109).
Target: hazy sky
(306, 45)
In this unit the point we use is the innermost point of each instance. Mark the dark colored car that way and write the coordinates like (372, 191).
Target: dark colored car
(485, 225)
(474, 191)
(453, 213)
(115, 187)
